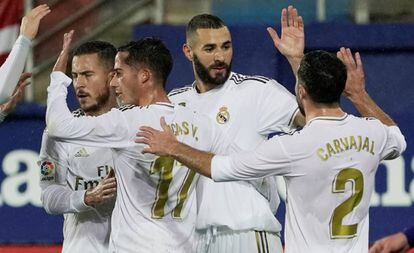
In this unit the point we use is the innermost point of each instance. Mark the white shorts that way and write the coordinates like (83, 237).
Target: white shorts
(246, 241)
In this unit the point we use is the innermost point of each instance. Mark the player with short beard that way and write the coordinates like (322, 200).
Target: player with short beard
(239, 216)
(78, 180)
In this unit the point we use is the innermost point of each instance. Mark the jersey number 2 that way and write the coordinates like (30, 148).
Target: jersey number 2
(354, 176)
(164, 166)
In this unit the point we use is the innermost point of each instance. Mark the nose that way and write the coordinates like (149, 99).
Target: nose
(114, 82)
(79, 82)
(219, 56)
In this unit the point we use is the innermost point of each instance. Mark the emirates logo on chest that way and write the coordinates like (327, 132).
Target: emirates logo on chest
(223, 116)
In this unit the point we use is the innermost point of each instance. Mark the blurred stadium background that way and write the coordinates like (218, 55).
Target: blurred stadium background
(382, 30)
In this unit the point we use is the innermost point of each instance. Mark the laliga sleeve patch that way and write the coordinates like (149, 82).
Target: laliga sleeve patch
(47, 171)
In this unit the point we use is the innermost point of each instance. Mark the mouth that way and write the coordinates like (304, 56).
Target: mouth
(219, 70)
(82, 96)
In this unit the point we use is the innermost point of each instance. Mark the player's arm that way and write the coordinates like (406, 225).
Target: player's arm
(366, 106)
(107, 130)
(12, 68)
(291, 43)
(56, 196)
(17, 96)
(355, 88)
(268, 159)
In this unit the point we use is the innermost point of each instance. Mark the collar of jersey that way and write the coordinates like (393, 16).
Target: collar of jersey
(330, 118)
(165, 104)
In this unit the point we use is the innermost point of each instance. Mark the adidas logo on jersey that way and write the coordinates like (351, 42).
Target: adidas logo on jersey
(82, 153)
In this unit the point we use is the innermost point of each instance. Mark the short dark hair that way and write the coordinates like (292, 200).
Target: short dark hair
(323, 75)
(152, 53)
(105, 50)
(203, 21)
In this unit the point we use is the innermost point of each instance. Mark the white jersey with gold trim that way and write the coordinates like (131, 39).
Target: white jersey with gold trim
(66, 172)
(329, 167)
(155, 209)
(246, 109)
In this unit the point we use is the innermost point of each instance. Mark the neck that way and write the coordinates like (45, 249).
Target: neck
(155, 96)
(204, 87)
(323, 110)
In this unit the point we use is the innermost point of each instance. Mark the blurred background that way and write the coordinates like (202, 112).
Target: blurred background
(381, 30)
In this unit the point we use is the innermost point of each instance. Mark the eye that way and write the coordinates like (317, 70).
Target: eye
(208, 49)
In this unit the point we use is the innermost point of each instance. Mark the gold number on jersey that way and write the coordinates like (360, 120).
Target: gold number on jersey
(354, 176)
(164, 166)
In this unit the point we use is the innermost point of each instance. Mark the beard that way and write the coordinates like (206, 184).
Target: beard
(203, 72)
(101, 100)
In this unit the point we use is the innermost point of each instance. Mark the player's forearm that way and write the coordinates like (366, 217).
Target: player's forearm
(367, 107)
(294, 62)
(58, 116)
(62, 61)
(13, 67)
(197, 160)
(60, 199)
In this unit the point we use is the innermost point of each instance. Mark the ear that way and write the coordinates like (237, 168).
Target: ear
(188, 52)
(302, 91)
(144, 75)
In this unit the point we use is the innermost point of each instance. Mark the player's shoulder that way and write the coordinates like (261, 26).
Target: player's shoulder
(367, 121)
(78, 113)
(239, 80)
(180, 91)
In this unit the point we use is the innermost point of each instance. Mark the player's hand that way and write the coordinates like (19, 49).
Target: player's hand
(159, 142)
(355, 82)
(63, 58)
(30, 22)
(393, 243)
(17, 94)
(292, 41)
(103, 192)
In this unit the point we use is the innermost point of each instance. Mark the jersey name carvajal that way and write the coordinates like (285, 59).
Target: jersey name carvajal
(246, 109)
(329, 167)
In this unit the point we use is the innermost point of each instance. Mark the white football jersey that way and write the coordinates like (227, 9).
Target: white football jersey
(155, 209)
(329, 167)
(12, 68)
(246, 109)
(66, 172)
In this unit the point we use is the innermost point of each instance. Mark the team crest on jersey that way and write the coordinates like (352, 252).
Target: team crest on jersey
(47, 170)
(223, 115)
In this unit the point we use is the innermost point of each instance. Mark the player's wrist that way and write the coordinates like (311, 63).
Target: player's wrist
(89, 199)
(358, 96)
